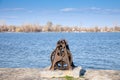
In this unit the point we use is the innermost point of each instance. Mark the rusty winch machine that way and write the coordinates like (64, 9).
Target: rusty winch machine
(61, 57)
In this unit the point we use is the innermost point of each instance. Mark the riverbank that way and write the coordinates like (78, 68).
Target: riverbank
(35, 74)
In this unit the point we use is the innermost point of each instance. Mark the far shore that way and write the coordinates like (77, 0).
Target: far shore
(60, 32)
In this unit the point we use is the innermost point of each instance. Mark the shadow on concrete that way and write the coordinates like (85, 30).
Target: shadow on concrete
(82, 72)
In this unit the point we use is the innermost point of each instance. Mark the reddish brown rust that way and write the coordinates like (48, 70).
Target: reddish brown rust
(61, 57)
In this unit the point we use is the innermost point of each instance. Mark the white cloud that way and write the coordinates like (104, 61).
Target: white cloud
(12, 9)
(15, 10)
(9, 17)
(92, 10)
(68, 9)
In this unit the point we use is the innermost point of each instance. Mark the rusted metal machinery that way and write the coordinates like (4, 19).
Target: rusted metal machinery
(61, 57)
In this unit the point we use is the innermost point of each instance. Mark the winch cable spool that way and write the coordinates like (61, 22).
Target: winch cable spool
(61, 57)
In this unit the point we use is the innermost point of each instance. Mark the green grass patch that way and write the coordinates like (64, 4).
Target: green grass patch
(53, 77)
(70, 78)
(82, 77)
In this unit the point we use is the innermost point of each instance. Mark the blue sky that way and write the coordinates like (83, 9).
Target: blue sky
(86, 13)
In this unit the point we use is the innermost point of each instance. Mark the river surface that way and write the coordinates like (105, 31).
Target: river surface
(32, 50)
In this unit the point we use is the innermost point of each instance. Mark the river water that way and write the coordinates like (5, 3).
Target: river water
(32, 50)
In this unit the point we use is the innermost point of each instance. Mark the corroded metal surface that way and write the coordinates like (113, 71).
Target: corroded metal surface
(61, 57)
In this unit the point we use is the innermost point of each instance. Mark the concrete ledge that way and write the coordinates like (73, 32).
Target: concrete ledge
(46, 74)
(76, 72)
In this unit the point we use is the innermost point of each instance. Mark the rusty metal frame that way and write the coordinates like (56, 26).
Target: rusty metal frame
(61, 57)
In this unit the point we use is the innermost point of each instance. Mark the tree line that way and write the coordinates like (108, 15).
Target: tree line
(49, 27)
